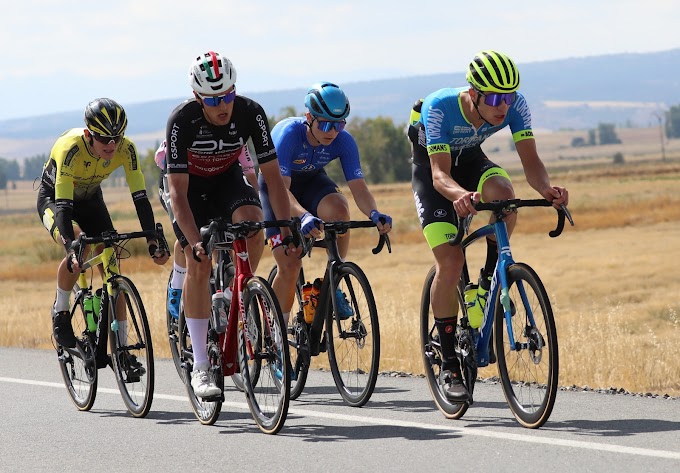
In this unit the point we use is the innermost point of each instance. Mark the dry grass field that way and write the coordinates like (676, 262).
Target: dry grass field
(612, 279)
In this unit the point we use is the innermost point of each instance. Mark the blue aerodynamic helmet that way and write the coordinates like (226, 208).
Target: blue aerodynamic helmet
(327, 100)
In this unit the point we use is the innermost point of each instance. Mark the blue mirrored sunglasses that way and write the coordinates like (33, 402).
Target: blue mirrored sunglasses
(494, 99)
(326, 126)
(215, 101)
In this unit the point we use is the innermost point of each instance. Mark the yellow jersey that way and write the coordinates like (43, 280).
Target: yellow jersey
(75, 174)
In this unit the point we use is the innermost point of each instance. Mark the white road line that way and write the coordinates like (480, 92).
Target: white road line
(416, 425)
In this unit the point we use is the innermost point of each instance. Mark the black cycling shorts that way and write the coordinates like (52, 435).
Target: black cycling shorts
(217, 196)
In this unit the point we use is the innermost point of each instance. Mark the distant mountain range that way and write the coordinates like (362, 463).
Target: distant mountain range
(578, 93)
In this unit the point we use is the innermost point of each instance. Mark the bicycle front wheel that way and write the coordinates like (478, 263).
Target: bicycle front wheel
(298, 341)
(131, 347)
(353, 335)
(432, 355)
(529, 370)
(263, 346)
(77, 365)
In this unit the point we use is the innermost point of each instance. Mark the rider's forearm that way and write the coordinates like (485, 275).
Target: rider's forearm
(185, 219)
(362, 196)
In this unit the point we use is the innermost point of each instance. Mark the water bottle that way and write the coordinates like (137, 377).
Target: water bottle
(89, 313)
(220, 311)
(307, 302)
(314, 296)
(474, 311)
(97, 302)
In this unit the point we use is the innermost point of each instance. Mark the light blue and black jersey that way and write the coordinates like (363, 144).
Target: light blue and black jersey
(442, 126)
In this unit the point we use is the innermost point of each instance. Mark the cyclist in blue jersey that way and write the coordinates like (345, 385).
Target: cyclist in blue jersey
(451, 173)
(304, 145)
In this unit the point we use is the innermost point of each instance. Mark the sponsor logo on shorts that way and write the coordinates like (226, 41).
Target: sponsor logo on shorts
(440, 213)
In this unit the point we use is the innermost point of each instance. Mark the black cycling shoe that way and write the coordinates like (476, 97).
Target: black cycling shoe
(451, 384)
(62, 329)
(132, 367)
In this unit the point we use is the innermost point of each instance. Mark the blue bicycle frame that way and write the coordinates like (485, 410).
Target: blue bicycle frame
(505, 260)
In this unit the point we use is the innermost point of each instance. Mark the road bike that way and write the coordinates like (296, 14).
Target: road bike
(352, 341)
(120, 321)
(252, 348)
(517, 312)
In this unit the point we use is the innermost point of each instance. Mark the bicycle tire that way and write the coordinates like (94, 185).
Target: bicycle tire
(136, 386)
(353, 343)
(206, 411)
(173, 334)
(268, 400)
(528, 376)
(298, 342)
(79, 374)
(432, 356)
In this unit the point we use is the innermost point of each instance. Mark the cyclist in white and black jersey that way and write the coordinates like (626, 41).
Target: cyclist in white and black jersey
(451, 173)
(205, 136)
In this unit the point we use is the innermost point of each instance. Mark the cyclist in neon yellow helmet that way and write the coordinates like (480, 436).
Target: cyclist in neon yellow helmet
(451, 173)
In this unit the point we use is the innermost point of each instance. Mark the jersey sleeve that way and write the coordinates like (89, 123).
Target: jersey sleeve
(178, 138)
(520, 120)
(349, 157)
(436, 124)
(287, 142)
(133, 171)
(261, 135)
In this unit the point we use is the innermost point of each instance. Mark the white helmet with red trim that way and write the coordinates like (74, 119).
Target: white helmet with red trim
(212, 73)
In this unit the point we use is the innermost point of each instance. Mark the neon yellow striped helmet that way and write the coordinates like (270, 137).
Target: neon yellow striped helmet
(105, 117)
(491, 71)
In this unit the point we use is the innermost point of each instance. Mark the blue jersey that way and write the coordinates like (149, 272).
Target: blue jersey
(445, 128)
(298, 158)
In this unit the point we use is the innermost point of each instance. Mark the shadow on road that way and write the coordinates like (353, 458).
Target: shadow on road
(613, 427)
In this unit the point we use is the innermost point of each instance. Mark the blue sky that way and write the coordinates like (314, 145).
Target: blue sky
(58, 55)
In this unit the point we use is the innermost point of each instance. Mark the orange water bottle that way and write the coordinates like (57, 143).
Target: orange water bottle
(307, 302)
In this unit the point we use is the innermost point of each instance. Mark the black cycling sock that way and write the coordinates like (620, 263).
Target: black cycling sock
(447, 339)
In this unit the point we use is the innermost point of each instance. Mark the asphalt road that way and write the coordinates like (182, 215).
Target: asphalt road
(398, 430)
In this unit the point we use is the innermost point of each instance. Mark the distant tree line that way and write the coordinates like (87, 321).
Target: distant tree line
(384, 150)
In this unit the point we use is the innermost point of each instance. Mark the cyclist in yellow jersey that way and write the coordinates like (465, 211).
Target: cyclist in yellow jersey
(70, 197)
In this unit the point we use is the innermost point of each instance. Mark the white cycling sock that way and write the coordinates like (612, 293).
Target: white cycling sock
(178, 274)
(62, 302)
(198, 331)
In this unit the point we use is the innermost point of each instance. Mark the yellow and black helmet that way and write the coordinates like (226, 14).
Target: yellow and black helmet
(491, 71)
(105, 117)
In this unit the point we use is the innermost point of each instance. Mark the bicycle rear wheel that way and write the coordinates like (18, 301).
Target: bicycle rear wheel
(206, 411)
(529, 373)
(173, 335)
(298, 342)
(354, 342)
(263, 347)
(131, 349)
(432, 355)
(77, 365)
